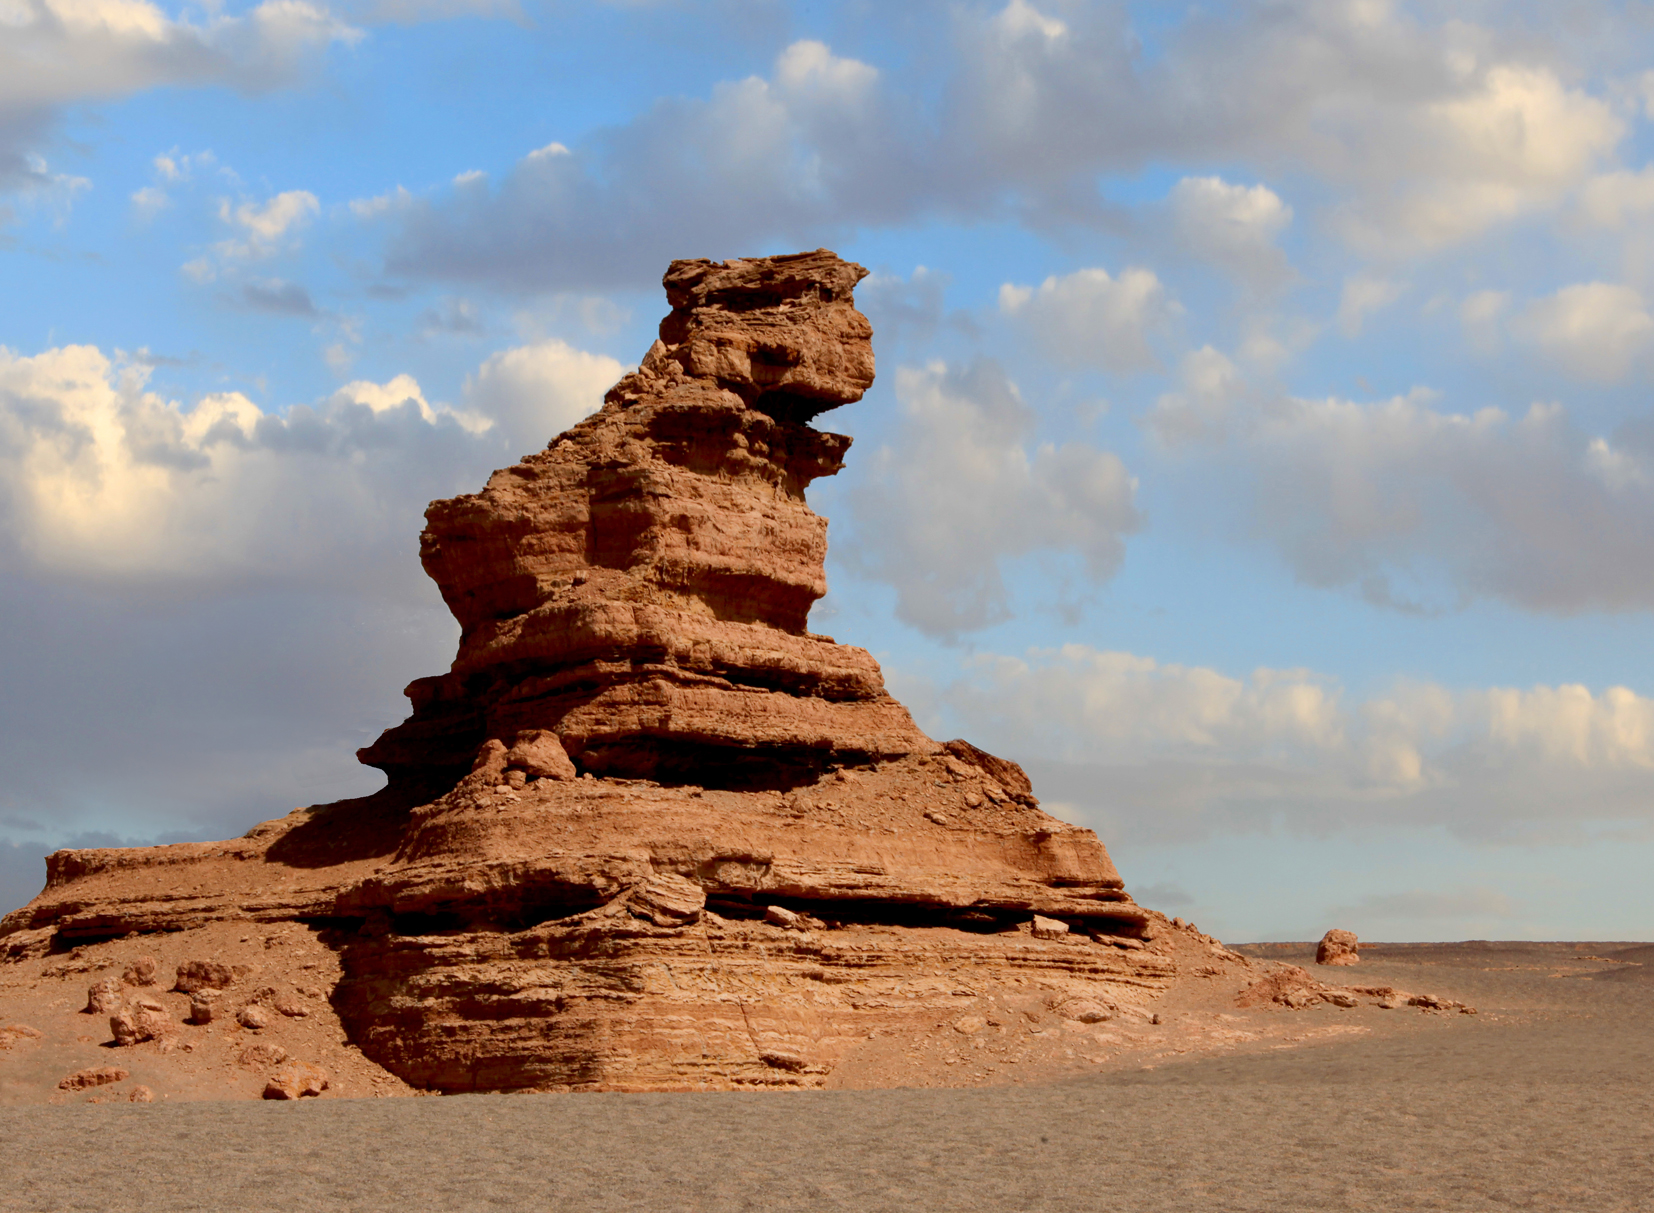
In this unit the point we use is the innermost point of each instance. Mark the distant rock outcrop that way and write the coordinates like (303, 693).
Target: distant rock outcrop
(648, 831)
(1338, 948)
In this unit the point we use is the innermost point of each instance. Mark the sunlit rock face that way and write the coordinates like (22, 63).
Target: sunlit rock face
(641, 587)
(649, 832)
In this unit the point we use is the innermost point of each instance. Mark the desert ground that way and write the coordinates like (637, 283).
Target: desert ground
(1541, 1100)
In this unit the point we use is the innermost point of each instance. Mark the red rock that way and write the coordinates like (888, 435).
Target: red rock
(633, 602)
(537, 752)
(296, 1081)
(780, 916)
(203, 1006)
(1048, 928)
(142, 972)
(105, 997)
(196, 975)
(253, 1017)
(11, 1033)
(147, 1020)
(1338, 948)
(141, 1094)
(262, 1055)
(81, 1080)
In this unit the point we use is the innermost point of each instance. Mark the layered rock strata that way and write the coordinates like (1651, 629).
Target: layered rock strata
(649, 831)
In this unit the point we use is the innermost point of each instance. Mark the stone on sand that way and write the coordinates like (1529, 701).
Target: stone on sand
(99, 1076)
(296, 1081)
(1338, 947)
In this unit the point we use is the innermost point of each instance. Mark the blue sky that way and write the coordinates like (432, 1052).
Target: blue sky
(1260, 451)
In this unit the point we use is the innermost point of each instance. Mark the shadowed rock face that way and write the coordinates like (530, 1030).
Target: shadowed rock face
(641, 587)
(649, 831)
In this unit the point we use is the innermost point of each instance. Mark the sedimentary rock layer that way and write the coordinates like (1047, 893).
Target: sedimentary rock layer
(648, 830)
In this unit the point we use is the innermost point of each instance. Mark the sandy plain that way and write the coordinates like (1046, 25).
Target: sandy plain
(1544, 1100)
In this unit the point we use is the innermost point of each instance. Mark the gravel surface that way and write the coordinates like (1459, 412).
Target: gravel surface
(1545, 1101)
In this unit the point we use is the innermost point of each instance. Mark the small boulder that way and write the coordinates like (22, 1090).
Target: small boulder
(253, 1017)
(262, 1055)
(101, 1076)
(11, 1033)
(196, 975)
(1338, 948)
(538, 752)
(147, 1020)
(1049, 928)
(105, 997)
(780, 916)
(203, 1005)
(290, 1005)
(1085, 1010)
(296, 1081)
(141, 1094)
(668, 900)
(142, 972)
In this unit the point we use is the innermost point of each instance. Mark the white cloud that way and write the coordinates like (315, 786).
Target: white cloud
(1088, 318)
(1197, 409)
(150, 201)
(263, 229)
(757, 158)
(1599, 331)
(266, 223)
(1514, 141)
(382, 204)
(1362, 296)
(1151, 751)
(1234, 226)
(959, 491)
(1481, 315)
(59, 52)
(1614, 200)
(535, 392)
(1409, 134)
(105, 480)
(1421, 508)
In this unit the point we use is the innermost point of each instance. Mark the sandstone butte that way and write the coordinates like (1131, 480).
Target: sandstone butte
(649, 832)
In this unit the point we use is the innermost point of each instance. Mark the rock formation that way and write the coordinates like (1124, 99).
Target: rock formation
(1338, 947)
(649, 831)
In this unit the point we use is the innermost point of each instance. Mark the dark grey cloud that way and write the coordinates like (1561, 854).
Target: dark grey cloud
(279, 298)
(134, 715)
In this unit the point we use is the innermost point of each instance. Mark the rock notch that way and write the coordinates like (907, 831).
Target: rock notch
(649, 831)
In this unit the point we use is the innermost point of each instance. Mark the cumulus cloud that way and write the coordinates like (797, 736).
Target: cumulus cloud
(1234, 227)
(60, 52)
(106, 481)
(1363, 295)
(260, 230)
(1157, 752)
(962, 488)
(215, 604)
(1088, 318)
(1419, 507)
(1599, 331)
(534, 392)
(758, 159)
(1419, 134)
(1197, 409)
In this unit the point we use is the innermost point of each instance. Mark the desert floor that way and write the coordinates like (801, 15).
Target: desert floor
(1545, 1100)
